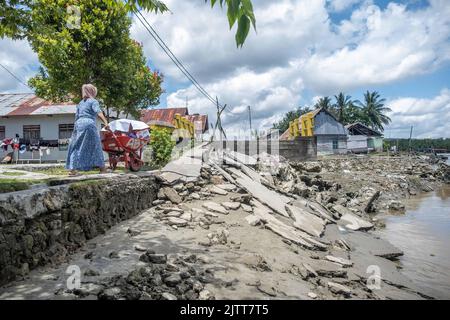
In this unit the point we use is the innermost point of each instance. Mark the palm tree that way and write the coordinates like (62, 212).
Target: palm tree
(324, 103)
(374, 111)
(342, 107)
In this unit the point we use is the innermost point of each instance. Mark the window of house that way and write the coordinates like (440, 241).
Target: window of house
(2, 132)
(65, 131)
(32, 132)
(335, 144)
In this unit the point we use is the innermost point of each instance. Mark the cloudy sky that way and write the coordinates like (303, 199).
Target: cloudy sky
(302, 49)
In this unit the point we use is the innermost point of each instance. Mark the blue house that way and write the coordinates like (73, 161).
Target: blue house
(330, 134)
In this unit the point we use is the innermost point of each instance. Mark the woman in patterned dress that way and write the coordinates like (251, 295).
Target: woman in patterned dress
(85, 150)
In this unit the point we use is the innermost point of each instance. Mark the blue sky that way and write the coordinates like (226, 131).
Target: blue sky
(303, 49)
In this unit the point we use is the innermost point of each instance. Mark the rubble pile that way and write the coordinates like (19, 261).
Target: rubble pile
(322, 211)
(180, 277)
(269, 228)
(362, 184)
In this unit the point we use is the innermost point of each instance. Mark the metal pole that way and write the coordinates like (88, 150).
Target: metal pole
(250, 119)
(410, 137)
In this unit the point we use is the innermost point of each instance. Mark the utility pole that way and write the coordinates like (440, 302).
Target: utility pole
(410, 137)
(250, 119)
(187, 102)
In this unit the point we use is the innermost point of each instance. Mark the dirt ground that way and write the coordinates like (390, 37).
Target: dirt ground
(254, 264)
(229, 258)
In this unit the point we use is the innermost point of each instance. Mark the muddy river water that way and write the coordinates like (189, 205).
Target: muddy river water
(423, 234)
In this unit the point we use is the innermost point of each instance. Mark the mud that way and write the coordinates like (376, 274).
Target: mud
(237, 257)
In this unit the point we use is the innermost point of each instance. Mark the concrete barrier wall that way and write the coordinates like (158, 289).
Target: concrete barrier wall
(39, 227)
(295, 150)
(299, 149)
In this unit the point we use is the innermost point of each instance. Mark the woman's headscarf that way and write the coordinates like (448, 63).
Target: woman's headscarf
(88, 91)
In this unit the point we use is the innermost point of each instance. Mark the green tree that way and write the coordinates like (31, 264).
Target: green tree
(344, 107)
(17, 14)
(283, 124)
(325, 103)
(99, 51)
(162, 145)
(373, 113)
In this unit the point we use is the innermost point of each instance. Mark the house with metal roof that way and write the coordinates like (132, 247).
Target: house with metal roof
(362, 139)
(42, 126)
(166, 117)
(329, 133)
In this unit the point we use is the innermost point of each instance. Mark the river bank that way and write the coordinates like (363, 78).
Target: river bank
(423, 234)
(259, 230)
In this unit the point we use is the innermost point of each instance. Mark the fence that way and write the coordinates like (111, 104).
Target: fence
(299, 149)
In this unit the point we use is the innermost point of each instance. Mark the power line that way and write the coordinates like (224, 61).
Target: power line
(178, 62)
(172, 56)
(14, 76)
(174, 59)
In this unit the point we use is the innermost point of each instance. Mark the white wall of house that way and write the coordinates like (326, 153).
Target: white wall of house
(331, 144)
(49, 127)
(357, 143)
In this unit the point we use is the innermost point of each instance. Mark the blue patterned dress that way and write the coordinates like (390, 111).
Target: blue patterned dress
(85, 150)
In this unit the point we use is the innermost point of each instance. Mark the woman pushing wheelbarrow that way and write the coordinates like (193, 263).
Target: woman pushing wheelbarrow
(85, 150)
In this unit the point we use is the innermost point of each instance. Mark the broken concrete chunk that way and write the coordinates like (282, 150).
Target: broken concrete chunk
(246, 207)
(226, 186)
(339, 288)
(341, 261)
(312, 295)
(253, 220)
(210, 214)
(217, 190)
(140, 248)
(186, 216)
(306, 221)
(195, 196)
(212, 206)
(310, 272)
(353, 222)
(174, 221)
(341, 210)
(231, 205)
(271, 198)
(172, 195)
(174, 214)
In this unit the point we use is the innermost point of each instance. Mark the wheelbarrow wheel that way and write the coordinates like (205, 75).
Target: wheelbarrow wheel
(113, 161)
(135, 164)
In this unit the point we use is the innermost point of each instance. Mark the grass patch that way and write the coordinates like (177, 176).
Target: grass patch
(11, 185)
(87, 183)
(13, 174)
(61, 171)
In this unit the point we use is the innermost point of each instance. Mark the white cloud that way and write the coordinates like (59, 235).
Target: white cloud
(18, 57)
(429, 117)
(296, 48)
(383, 47)
(341, 5)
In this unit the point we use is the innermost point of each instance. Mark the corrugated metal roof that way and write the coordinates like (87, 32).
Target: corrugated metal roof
(359, 128)
(27, 104)
(165, 115)
(203, 118)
